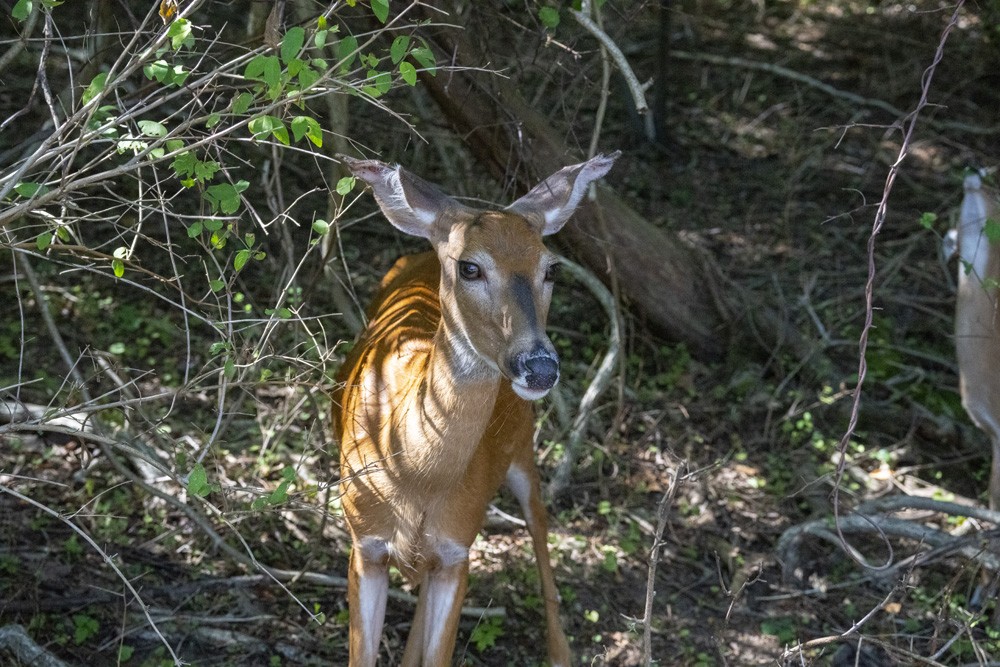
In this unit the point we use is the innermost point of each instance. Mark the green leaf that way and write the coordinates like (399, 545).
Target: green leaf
(118, 267)
(398, 49)
(280, 494)
(259, 503)
(346, 51)
(178, 75)
(425, 57)
(241, 103)
(205, 171)
(194, 231)
(263, 126)
(125, 652)
(380, 8)
(266, 69)
(44, 240)
(345, 185)
(22, 9)
(549, 16)
(165, 73)
(378, 83)
(29, 190)
(927, 220)
(151, 128)
(158, 70)
(321, 227)
(95, 88)
(225, 197)
(212, 120)
(179, 33)
(255, 68)
(126, 145)
(183, 164)
(307, 77)
(241, 259)
(216, 285)
(84, 627)
(281, 134)
(992, 230)
(319, 39)
(486, 633)
(408, 73)
(292, 43)
(383, 81)
(72, 546)
(307, 126)
(198, 481)
(213, 224)
(283, 313)
(272, 74)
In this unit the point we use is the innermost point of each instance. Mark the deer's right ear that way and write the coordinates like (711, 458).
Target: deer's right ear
(410, 203)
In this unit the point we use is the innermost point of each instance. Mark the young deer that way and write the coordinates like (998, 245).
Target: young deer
(977, 327)
(433, 416)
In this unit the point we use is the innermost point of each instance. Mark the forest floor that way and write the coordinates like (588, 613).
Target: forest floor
(776, 180)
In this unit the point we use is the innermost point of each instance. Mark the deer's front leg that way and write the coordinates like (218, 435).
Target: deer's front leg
(367, 589)
(522, 479)
(435, 625)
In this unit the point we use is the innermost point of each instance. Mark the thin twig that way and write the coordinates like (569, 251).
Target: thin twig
(602, 105)
(880, 215)
(50, 324)
(634, 87)
(662, 514)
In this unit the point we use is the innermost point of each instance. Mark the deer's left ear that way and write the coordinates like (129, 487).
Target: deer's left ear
(553, 200)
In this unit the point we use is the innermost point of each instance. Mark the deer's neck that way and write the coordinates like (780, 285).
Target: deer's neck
(454, 403)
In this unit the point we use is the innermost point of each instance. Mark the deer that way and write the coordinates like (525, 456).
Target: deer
(977, 322)
(433, 408)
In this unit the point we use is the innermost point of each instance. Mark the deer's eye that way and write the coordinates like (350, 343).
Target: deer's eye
(552, 272)
(469, 271)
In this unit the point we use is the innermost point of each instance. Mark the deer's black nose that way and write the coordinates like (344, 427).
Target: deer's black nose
(540, 371)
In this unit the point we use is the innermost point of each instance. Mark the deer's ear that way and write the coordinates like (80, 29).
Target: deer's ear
(410, 203)
(553, 200)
